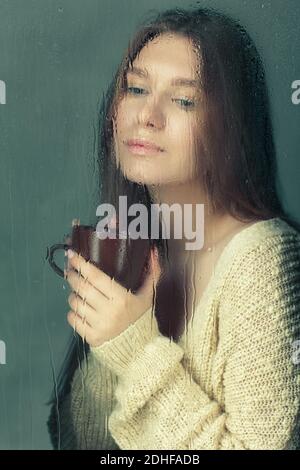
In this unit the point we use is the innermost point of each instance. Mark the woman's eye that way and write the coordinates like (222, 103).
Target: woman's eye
(184, 103)
(129, 88)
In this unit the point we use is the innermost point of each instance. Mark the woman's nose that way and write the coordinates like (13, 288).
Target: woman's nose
(152, 115)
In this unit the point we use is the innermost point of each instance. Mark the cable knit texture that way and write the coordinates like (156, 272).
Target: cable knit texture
(230, 382)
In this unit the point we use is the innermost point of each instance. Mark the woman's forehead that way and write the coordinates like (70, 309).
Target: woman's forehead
(176, 65)
(178, 49)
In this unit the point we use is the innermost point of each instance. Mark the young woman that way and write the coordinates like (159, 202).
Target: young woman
(191, 87)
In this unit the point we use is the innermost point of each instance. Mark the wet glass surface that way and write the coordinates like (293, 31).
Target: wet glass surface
(57, 60)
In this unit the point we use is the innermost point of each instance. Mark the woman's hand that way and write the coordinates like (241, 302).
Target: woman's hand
(100, 307)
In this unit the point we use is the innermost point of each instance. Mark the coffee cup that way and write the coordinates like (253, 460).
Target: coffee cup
(123, 258)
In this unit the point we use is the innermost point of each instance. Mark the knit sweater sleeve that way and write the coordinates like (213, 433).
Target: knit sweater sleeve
(159, 406)
(79, 420)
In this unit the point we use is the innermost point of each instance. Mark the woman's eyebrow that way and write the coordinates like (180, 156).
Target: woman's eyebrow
(176, 81)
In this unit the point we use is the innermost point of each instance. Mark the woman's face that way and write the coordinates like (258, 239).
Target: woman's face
(158, 106)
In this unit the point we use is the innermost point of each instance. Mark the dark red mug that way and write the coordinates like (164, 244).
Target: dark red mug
(124, 259)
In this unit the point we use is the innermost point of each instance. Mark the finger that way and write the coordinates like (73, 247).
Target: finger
(79, 325)
(81, 307)
(86, 291)
(101, 281)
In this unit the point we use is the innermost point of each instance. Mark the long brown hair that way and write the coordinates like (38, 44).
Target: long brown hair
(239, 168)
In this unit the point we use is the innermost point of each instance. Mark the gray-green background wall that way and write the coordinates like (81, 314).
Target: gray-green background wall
(57, 58)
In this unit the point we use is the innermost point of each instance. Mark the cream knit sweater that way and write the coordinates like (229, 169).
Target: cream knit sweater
(232, 381)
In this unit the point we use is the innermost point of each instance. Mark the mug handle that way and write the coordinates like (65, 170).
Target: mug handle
(50, 253)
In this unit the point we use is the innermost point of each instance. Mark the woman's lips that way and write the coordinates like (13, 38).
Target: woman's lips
(142, 148)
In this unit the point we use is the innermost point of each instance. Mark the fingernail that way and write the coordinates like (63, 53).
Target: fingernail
(70, 253)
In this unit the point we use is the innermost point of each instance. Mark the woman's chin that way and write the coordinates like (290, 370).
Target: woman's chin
(147, 179)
